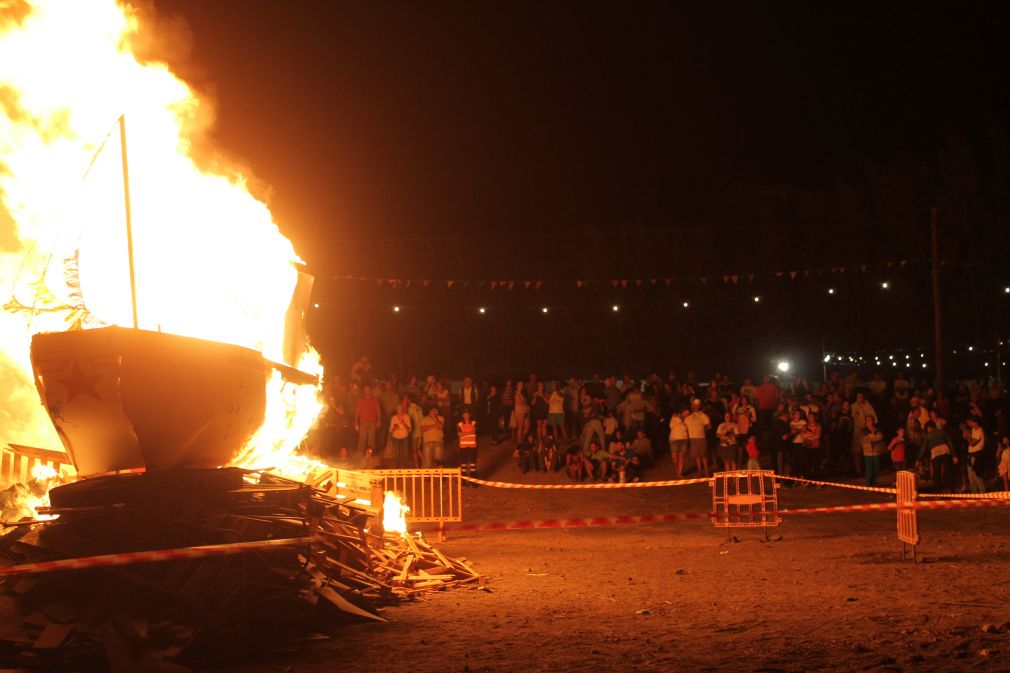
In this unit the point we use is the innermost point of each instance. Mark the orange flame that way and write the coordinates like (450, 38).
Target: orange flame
(394, 514)
(210, 261)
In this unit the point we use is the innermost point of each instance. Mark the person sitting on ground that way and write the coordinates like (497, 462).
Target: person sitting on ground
(599, 462)
(642, 446)
(370, 461)
(547, 455)
(577, 465)
(629, 463)
(525, 453)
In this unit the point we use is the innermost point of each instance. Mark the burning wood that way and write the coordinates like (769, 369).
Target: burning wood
(186, 609)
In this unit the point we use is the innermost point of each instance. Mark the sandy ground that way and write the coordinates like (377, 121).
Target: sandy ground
(832, 595)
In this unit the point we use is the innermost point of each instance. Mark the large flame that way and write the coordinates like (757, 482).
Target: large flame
(210, 261)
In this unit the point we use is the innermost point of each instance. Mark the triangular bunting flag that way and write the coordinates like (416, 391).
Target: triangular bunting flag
(806, 273)
(449, 283)
(624, 283)
(862, 268)
(725, 279)
(539, 284)
(735, 279)
(512, 284)
(578, 283)
(792, 275)
(703, 280)
(615, 283)
(638, 282)
(750, 278)
(779, 274)
(902, 263)
(426, 282)
(670, 280)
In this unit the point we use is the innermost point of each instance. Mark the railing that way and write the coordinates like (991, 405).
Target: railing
(17, 462)
(433, 495)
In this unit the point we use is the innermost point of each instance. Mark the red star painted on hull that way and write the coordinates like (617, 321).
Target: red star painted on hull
(79, 383)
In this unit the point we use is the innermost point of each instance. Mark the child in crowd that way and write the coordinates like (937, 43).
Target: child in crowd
(753, 453)
(896, 447)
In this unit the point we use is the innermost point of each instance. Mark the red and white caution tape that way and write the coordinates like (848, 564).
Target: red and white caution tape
(603, 521)
(637, 484)
(128, 558)
(996, 495)
(854, 487)
(594, 522)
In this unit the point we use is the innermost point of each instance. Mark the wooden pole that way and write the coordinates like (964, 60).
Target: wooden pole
(934, 230)
(129, 220)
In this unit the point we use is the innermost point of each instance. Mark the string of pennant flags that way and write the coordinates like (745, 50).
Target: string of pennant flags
(624, 283)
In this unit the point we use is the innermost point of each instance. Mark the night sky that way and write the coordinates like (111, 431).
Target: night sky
(378, 125)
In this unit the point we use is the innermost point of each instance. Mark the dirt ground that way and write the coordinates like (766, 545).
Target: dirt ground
(832, 595)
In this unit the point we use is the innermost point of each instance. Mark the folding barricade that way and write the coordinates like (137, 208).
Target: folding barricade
(745, 499)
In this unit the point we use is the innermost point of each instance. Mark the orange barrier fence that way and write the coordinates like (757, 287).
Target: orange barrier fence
(17, 462)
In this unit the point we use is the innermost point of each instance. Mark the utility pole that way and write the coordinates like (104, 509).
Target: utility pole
(934, 235)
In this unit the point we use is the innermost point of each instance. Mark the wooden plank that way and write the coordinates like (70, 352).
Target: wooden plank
(52, 636)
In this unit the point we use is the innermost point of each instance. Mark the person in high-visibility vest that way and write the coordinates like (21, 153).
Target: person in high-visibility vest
(467, 444)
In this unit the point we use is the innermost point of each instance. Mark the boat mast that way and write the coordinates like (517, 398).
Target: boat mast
(129, 220)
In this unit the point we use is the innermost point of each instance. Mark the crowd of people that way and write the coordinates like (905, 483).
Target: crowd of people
(617, 428)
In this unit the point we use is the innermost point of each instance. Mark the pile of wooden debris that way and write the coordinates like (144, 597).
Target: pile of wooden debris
(181, 567)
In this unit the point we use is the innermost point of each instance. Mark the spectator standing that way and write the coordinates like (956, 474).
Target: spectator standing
(399, 438)
(766, 397)
(1003, 457)
(467, 432)
(556, 413)
(729, 449)
(812, 443)
(698, 425)
(937, 445)
(521, 411)
(976, 443)
(433, 437)
(508, 402)
(540, 410)
(753, 454)
(873, 447)
(416, 415)
(366, 419)
(861, 410)
(897, 448)
(679, 440)
(797, 433)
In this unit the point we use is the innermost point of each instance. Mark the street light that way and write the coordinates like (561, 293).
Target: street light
(686, 304)
(783, 366)
(757, 299)
(544, 310)
(482, 310)
(831, 290)
(396, 309)
(615, 308)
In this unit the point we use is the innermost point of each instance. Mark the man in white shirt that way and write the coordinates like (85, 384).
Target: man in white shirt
(698, 424)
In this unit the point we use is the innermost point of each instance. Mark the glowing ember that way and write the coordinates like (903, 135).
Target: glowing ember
(210, 261)
(394, 514)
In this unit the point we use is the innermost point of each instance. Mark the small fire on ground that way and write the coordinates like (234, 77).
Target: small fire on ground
(394, 514)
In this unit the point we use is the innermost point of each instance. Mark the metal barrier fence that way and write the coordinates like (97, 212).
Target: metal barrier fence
(433, 495)
(908, 515)
(745, 499)
(17, 462)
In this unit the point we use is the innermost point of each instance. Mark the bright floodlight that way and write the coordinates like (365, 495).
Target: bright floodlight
(885, 285)
(783, 366)
(757, 299)
(315, 305)
(923, 365)
(686, 304)
(827, 358)
(971, 348)
(1006, 290)
(396, 309)
(543, 310)
(831, 290)
(482, 310)
(615, 308)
